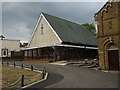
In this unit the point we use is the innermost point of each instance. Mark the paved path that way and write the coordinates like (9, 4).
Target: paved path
(75, 77)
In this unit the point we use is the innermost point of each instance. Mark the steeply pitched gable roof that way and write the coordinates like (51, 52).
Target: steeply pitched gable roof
(70, 32)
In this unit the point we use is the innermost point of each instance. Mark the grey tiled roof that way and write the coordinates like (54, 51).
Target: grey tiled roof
(70, 32)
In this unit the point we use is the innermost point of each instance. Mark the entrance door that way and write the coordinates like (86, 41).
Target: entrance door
(113, 59)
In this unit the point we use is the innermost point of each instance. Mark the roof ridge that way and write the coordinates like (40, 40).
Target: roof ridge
(61, 18)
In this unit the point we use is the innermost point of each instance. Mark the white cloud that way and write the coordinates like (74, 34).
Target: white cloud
(19, 19)
(17, 31)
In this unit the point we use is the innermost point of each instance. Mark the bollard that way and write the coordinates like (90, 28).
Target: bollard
(2, 63)
(22, 66)
(32, 67)
(14, 64)
(43, 73)
(22, 81)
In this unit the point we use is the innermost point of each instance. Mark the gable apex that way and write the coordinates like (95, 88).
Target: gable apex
(37, 24)
(42, 14)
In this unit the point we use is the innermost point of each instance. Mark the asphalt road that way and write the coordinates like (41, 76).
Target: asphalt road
(75, 77)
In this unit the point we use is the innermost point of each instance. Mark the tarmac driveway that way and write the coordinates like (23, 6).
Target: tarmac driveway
(75, 77)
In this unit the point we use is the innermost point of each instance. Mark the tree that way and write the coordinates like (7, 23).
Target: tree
(90, 27)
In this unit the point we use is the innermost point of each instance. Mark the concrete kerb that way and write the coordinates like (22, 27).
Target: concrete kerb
(33, 82)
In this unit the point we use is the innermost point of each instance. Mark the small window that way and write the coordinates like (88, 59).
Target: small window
(41, 29)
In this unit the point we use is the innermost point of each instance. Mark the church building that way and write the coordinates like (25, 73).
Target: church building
(108, 23)
(54, 38)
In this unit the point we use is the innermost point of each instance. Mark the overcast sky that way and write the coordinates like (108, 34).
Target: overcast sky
(19, 18)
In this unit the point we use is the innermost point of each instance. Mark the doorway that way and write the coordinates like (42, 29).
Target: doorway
(113, 57)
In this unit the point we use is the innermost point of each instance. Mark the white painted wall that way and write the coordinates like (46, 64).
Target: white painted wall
(11, 45)
(0, 48)
(48, 37)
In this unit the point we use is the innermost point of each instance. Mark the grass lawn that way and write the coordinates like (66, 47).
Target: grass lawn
(11, 74)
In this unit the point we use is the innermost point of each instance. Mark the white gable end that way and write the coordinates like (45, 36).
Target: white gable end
(43, 34)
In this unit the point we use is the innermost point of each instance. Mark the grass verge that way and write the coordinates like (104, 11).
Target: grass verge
(11, 74)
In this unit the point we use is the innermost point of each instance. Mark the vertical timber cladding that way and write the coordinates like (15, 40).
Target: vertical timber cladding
(108, 23)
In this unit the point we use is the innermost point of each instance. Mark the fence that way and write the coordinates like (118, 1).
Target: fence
(22, 78)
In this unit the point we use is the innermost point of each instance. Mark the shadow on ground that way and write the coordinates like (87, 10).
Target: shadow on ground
(52, 78)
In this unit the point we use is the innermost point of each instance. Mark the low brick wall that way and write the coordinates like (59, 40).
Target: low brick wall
(11, 59)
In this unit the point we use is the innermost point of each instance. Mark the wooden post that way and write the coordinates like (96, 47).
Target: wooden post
(43, 73)
(22, 81)
(32, 53)
(32, 67)
(36, 53)
(22, 66)
(14, 64)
